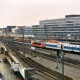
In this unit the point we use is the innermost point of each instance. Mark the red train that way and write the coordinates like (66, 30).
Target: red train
(25, 40)
(38, 44)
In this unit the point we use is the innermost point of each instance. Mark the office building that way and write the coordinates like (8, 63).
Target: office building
(67, 27)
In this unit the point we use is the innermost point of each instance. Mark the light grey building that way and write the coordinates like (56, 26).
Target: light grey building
(36, 31)
(67, 27)
(28, 30)
(1, 33)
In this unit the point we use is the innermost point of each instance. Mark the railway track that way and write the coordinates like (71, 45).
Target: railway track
(67, 61)
(39, 67)
(32, 63)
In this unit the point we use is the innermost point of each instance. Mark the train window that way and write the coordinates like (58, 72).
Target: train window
(74, 48)
(78, 48)
(66, 47)
(70, 47)
(55, 46)
(37, 43)
(51, 45)
(46, 45)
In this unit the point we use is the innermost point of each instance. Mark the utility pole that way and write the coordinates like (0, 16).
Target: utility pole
(79, 39)
(6, 32)
(23, 43)
(41, 53)
(26, 75)
(41, 50)
(62, 62)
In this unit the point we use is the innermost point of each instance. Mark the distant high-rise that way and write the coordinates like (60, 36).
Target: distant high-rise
(9, 28)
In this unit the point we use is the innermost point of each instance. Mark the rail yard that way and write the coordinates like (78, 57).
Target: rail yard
(45, 61)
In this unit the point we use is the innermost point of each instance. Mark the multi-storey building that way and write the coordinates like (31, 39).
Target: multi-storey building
(28, 30)
(1, 32)
(67, 27)
(9, 28)
(35, 31)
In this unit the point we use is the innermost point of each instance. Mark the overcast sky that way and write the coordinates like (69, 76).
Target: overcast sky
(30, 12)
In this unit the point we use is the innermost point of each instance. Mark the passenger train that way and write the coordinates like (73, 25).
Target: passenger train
(67, 46)
(56, 45)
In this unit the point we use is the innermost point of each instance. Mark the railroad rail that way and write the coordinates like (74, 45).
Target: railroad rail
(67, 61)
(39, 67)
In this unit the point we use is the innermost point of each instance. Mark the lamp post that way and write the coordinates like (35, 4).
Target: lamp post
(62, 62)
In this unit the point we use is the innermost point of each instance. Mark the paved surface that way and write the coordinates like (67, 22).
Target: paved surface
(73, 56)
(5, 70)
(70, 71)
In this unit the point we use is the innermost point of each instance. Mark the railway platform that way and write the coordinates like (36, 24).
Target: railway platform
(5, 70)
(53, 52)
(69, 71)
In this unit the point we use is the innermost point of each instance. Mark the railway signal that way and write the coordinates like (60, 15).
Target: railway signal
(58, 53)
(58, 56)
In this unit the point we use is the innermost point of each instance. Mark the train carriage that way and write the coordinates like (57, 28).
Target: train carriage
(51, 45)
(38, 44)
(76, 48)
(67, 46)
